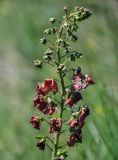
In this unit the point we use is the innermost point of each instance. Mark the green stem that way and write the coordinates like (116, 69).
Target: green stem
(50, 139)
(49, 147)
(49, 63)
(57, 134)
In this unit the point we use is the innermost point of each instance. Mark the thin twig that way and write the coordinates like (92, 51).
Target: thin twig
(49, 63)
(49, 147)
(54, 99)
(63, 146)
(50, 139)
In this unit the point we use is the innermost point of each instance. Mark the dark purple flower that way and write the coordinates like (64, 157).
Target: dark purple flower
(83, 113)
(73, 99)
(75, 137)
(42, 104)
(41, 144)
(55, 125)
(35, 121)
(80, 81)
(79, 120)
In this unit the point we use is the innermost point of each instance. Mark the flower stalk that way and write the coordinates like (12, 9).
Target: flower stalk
(69, 96)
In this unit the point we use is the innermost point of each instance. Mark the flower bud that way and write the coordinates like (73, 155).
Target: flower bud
(61, 66)
(77, 71)
(43, 41)
(66, 9)
(52, 20)
(38, 63)
(48, 52)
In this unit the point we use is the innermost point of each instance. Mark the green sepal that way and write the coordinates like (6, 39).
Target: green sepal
(40, 137)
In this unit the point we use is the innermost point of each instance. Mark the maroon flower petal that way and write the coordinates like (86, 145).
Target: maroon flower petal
(55, 124)
(35, 122)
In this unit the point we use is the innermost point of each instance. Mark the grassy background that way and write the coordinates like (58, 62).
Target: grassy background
(21, 26)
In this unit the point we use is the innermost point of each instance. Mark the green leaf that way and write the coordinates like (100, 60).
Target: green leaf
(39, 137)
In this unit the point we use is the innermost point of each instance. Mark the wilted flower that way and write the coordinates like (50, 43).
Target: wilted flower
(42, 104)
(75, 137)
(55, 124)
(72, 122)
(39, 101)
(47, 86)
(76, 123)
(80, 81)
(41, 144)
(77, 120)
(83, 113)
(73, 99)
(35, 121)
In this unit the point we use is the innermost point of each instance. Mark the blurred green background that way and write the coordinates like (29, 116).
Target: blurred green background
(21, 25)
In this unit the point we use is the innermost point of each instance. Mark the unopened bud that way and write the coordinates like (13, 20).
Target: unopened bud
(43, 41)
(52, 20)
(65, 9)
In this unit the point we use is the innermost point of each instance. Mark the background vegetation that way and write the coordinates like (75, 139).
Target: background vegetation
(21, 25)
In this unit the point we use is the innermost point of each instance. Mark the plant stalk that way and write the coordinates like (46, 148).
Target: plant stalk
(57, 134)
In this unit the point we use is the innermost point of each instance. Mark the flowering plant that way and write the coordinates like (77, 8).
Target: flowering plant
(59, 54)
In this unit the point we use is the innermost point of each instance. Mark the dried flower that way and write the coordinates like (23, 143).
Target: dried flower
(83, 113)
(47, 86)
(42, 104)
(41, 144)
(73, 99)
(35, 121)
(72, 122)
(75, 137)
(80, 81)
(55, 124)
(78, 118)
